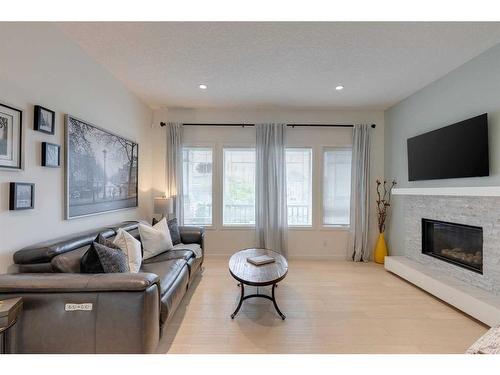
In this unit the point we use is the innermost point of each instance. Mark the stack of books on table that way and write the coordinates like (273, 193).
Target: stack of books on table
(261, 260)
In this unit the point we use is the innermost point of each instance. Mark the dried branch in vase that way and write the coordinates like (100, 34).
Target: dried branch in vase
(383, 202)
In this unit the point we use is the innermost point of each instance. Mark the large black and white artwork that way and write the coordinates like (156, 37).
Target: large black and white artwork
(101, 168)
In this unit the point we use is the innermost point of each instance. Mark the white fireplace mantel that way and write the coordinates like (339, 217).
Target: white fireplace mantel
(472, 191)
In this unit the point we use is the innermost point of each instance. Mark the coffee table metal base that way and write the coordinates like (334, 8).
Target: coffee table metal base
(257, 295)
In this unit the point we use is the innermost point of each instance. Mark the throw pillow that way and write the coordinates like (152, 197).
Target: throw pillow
(90, 262)
(112, 260)
(173, 228)
(131, 247)
(155, 239)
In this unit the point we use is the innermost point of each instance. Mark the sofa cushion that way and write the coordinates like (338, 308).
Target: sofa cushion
(68, 262)
(194, 247)
(167, 271)
(172, 254)
(171, 299)
(194, 265)
(44, 252)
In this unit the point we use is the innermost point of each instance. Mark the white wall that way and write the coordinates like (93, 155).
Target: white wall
(40, 65)
(317, 241)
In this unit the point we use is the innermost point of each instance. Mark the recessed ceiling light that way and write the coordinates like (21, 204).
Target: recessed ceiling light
(203, 86)
(339, 87)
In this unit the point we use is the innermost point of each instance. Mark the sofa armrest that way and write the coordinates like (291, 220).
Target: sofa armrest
(73, 282)
(190, 234)
(122, 313)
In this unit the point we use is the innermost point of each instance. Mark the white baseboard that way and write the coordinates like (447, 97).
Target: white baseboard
(478, 303)
(335, 257)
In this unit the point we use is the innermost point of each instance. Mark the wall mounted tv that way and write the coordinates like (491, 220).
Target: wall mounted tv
(458, 150)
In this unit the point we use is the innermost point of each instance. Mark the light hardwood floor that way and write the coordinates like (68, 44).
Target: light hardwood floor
(331, 307)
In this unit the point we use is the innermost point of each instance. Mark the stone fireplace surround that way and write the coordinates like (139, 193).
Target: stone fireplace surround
(477, 211)
(476, 294)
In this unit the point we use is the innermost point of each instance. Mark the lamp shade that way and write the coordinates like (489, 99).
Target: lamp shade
(163, 206)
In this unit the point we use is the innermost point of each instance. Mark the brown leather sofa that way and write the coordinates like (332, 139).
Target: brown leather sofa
(127, 311)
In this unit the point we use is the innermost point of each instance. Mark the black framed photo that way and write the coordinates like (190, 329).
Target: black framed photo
(11, 122)
(44, 120)
(51, 155)
(22, 196)
(101, 170)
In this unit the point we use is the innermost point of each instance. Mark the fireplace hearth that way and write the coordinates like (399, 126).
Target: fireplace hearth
(458, 244)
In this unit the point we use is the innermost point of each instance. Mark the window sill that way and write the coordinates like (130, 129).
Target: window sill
(206, 227)
(237, 227)
(300, 227)
(335, 227)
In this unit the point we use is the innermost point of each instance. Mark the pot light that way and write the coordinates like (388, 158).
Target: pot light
(203, 86)
(339, 87)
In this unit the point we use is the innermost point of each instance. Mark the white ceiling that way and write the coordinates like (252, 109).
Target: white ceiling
(280, 64)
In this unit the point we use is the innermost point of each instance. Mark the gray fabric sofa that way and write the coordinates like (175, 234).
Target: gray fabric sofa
(66, 311)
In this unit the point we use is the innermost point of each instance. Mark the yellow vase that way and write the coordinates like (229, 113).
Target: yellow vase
(380, 251)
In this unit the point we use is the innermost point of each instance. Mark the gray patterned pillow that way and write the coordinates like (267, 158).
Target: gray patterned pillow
(112, 260)
(173, 227)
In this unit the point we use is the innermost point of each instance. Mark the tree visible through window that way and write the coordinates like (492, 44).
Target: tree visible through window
(197, 185)
(239, 186)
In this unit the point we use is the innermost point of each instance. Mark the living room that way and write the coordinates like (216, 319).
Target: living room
(253, 188)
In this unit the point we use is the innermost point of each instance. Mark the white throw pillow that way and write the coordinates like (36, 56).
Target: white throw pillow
(131, 247)
(156, 239)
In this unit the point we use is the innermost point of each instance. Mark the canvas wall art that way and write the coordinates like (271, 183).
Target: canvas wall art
(10, 137)
(22, 196)
(101, 170)
(51, 155)
(44, 120)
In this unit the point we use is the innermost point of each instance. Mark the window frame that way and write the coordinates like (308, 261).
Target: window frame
(235, 146)
(323, 226)
(214, 150)
(304, 226)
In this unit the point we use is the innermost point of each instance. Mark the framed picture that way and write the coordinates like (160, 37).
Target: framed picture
(22, 196)
(101, 170)
(44, 120)
(51, 155)
(10, 137)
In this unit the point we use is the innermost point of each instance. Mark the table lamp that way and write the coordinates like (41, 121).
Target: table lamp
(164, 206)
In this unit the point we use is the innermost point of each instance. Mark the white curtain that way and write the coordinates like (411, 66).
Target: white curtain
(271, 209)
(360, 194)
(173, 171)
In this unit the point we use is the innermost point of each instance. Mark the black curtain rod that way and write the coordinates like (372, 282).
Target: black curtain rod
(162, 124)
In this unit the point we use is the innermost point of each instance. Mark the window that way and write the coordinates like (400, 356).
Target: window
(197, 185)
(239, 186)
(299, 186)
(336, 186)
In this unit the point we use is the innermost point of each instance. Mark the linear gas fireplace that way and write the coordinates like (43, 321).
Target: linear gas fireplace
(454, 243)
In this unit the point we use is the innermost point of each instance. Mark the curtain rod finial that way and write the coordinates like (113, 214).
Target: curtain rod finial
(374, 126)
(163, 124)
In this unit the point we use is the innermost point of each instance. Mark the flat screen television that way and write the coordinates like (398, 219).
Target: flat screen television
(457, 150)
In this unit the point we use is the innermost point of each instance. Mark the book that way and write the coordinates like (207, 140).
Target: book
(260, 260)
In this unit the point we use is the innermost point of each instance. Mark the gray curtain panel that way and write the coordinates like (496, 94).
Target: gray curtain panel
(360, 194)
(173, 171)
(271, 211)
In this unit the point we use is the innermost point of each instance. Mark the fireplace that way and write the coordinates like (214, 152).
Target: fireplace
(458, 244)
